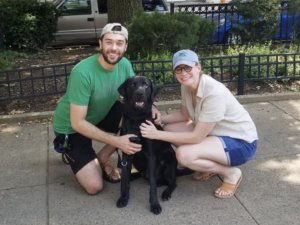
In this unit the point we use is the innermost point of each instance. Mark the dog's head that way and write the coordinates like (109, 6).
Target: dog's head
(138, 92)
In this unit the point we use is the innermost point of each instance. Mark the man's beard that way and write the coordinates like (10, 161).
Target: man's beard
(110, 62)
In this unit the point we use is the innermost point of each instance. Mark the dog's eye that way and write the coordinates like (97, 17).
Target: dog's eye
(145, 84)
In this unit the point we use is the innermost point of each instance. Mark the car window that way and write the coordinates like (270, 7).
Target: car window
(102, 6)
(148, 5)
(153, 5)
(75, 7)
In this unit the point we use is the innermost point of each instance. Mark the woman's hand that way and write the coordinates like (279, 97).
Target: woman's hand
(148, 130)
(156, 115)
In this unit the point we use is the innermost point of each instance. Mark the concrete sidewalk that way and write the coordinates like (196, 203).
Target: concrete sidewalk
(36, 188)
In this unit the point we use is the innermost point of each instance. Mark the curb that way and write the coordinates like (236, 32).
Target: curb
(162, 105)
(24, 117)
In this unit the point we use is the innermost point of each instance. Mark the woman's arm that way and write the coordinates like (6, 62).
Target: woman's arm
(175, 117)
(200, 131)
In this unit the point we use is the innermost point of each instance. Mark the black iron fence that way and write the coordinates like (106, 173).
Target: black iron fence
(222, 15)
(237, 70)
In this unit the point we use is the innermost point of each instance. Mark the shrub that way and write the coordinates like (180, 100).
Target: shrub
(27, 24)
(294, 8)
(262, 64)
(158, 32)
(256, 21)
(4, 64)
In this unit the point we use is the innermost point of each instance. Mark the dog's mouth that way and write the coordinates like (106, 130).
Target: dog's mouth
(139, 104)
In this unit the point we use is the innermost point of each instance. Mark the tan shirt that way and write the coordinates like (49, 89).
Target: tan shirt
(215, 103)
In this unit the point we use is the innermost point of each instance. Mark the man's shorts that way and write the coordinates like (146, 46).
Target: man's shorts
(79, 150)
(238, 151)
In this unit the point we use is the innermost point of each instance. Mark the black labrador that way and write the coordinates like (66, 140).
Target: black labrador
(156, 161)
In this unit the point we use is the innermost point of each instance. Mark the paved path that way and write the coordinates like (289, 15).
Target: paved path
(36, 188)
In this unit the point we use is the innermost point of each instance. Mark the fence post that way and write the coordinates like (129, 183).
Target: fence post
(241, 72)
(1, 38)
(172, 7)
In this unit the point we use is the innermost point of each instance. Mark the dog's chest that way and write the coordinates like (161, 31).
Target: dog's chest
(131, 124)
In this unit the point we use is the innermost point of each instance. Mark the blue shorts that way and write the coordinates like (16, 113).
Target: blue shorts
(238, 151)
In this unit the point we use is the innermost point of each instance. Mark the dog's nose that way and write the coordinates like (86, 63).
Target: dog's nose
(139, 92)
(139, 95)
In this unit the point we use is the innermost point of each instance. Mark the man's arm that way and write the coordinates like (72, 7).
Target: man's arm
(80, 125)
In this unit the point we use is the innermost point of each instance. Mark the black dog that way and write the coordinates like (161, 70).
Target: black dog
(156, 161)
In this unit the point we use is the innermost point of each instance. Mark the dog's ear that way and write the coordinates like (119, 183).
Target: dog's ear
(155, 91)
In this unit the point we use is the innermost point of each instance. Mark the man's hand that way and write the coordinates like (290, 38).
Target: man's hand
(127, 146)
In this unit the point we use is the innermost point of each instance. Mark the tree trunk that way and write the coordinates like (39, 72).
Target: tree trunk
(121, 11)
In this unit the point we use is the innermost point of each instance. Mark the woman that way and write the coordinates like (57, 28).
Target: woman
(213, 131)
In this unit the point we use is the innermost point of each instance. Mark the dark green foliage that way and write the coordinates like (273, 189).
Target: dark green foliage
(27, 24)
(294, 7)
(157, 32)
(259, 19)
(4, 64)
(7, 57)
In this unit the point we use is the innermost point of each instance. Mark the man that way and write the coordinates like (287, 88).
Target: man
(90, 110)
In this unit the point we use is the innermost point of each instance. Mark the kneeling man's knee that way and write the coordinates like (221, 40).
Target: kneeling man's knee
(94, 188)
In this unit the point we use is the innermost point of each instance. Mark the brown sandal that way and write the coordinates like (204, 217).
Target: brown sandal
(203, 176)
(230, 189)
(109, 173)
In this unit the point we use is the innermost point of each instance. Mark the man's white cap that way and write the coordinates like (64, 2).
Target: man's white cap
(114, 28)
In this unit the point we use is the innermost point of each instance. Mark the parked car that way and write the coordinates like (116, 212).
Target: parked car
(81, 21)
(287, 28)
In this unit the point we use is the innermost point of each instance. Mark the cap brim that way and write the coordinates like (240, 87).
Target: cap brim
(183, 62)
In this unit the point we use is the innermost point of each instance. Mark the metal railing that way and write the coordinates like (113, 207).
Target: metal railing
(222, 14)
(237, 70)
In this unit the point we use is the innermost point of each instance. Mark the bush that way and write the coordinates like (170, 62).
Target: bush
(27, 24)
(4, 64)
(158, 32)
(256, 21)
(294, 8)
(7, 57)
(263, 63)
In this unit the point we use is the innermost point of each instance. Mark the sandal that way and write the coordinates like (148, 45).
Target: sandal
(229, 188)
(203, 176)
(109, 173)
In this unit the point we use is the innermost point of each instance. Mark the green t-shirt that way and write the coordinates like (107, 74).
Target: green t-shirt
(93, 86)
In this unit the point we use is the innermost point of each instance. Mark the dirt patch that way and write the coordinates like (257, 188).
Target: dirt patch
(72, 54)
(56, 56)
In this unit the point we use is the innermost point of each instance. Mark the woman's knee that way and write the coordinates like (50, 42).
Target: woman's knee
(183, 157)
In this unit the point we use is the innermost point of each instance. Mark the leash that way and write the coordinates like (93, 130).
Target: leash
(121, 161)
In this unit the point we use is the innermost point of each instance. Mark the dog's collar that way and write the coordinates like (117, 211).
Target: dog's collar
(137, 117)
